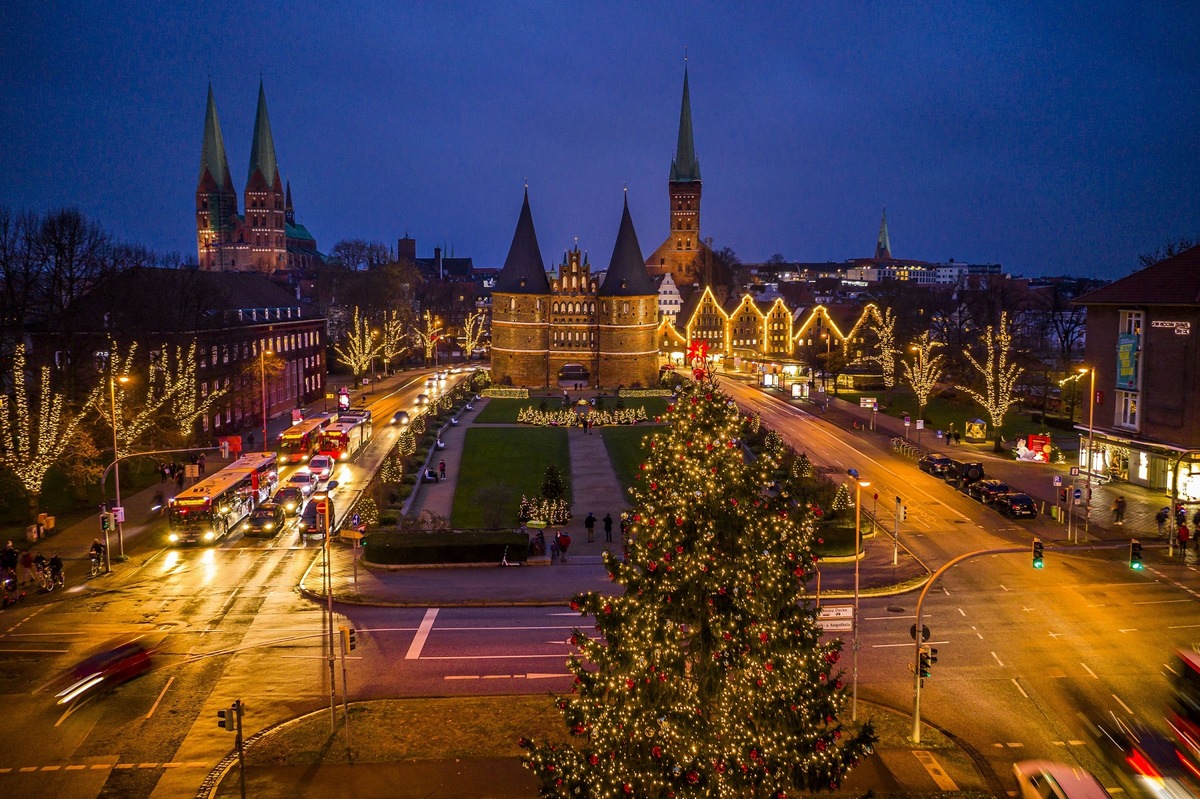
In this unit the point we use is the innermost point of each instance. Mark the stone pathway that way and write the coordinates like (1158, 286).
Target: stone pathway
(594, 488)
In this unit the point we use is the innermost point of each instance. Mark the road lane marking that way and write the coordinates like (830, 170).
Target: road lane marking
(1123, 705)
(935, 770)
(1091, 673)
(497, 657)
(161, 694)
(999, 662)
(1019, 688)
(418, 642)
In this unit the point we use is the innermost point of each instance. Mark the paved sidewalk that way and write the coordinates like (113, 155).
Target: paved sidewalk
(595, 489)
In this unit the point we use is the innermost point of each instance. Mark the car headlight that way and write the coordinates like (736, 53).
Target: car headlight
(173, 537)
(291, 506)
(210, 535)
(269, 526)
(246, 526)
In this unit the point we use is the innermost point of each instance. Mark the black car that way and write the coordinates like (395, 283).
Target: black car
(963, 473)
(308, 520)
(267, 519)
(934, 463)
(1018, 506)
(987, 490)
(292, 500)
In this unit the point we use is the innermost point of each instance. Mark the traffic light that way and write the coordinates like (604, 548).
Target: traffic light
(1062, 495)
(106, 520)
(901, 510)
(1135, 554)
(928, 658)
(1038, 560)
(228, 719)
(349, 638)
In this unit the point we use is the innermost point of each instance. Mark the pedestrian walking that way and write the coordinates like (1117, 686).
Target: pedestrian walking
(1196, 519)
(26, 566)
(250, 441)
(1183, 536)
(200, 462)
(442, 471)
(608, 527)
(589, 524)
(1118, 509)
(957, 438)
(179, 478)
(162, 472)
(1161, 517)
(563, 539)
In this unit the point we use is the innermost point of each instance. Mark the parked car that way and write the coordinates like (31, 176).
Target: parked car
(292, 500)
(1042, 779)
(963, 473)
(321, 467)
(267, 519)
(303, 480)
(1017, 506)
(987, 490)
(934, 463)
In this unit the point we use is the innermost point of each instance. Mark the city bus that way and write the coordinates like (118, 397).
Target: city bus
(208, 510)
(343, 440)
(301, 441)
(1183, 712)
(262, 470)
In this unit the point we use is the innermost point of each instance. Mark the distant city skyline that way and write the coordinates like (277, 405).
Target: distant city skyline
(1050, 139)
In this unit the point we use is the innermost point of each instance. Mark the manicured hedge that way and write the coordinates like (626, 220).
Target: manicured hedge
(445, 546)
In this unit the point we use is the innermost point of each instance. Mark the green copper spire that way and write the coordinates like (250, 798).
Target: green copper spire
(212, 152)
(262, 148)
(883, 247)
(685, 168)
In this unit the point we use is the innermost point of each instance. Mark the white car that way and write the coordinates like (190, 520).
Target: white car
(1042, 779)
(303, 480)
(321, 466)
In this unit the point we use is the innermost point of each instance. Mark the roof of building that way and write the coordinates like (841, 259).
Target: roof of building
(262, 146)
(1172, 281)
(212, 151)
(627, 275)
(685, 168)
(883, 246)
(298, 231)
(524, 271)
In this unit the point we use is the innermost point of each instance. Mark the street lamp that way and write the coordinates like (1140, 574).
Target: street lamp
(112, 407)
(374, 335)
(1087, 513)
(263, 352)
(921, 372)
(859, 485)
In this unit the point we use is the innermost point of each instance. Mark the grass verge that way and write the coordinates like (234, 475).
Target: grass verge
(499, 465)
(624, 445)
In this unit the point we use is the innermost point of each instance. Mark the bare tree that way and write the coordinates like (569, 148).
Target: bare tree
(360, 345)
(883, 325)
(472, 332)
(187, 405)
(427, 338)
(999, 375)
(924, 371)
(358, 254)
(395, 340)
(34, 433)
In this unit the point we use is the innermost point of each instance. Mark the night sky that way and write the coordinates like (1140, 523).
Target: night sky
(1052, 138)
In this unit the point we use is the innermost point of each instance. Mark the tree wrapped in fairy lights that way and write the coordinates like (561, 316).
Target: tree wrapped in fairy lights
(708, 676)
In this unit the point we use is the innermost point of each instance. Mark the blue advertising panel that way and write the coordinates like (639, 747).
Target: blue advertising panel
(1127, 360)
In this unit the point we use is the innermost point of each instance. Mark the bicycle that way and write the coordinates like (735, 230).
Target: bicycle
(97, 563)
(45, 580)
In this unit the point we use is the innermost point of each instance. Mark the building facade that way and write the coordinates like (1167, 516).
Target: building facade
(574, 328)
(1142, 342)
(266, 237)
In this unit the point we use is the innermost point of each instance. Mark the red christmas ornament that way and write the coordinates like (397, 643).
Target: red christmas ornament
(593, 760)
(656, 751)
(679, 521)
(708, 446)
(679, 548)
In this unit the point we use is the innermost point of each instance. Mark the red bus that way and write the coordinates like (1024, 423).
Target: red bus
(301, 441)
(343, 441)
(1183, 713)
(262, 470)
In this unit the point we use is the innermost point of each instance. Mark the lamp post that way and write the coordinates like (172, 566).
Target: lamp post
(112, 407)
(262, 369)
(859, 485)
(1091, 460)
(920, 372)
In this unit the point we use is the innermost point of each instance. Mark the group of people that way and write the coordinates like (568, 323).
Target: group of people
(589, 524)
(31, 564)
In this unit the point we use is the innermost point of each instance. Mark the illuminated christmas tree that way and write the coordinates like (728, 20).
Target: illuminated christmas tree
(708, 676)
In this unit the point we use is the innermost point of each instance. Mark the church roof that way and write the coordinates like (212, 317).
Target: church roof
(262, 147)
(685, 168)
(524, 270)
(296, 231)
(1172, 281)
(883, 246)
(627, 275)
(212, 152)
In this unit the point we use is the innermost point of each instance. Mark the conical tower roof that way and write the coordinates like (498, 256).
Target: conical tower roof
(212, 151)
(883, 247)
(262, 147)
(627, 275)
(524, 270)
(685, 168)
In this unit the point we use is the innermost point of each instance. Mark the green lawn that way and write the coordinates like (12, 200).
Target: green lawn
(499, 465)
(504, 411)
(624, 445)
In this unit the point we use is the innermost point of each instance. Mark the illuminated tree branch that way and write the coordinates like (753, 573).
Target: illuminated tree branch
(884, 327)
(999, 375)
(472, 332)
(360, 345)
(187, 404)
(138, 410)
(924, 371)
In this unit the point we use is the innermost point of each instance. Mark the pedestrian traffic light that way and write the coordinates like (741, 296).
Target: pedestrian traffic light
(106, 519)
(928, 658)
(1038, 560)
(349, 638)
(228, 719)
(1135, 554)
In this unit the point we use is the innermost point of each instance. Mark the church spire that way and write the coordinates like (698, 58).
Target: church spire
(262, 147)
(685, 168)
(883, 247)
(289, 213)
(212, 152)
(524, 271)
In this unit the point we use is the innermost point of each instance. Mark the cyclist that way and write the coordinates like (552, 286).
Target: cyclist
(97, 555)
(56, 569)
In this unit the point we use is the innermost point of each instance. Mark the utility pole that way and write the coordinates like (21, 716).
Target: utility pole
(329, 614)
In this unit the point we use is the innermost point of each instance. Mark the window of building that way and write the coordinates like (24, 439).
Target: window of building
(1131, 322)
(1127, 409)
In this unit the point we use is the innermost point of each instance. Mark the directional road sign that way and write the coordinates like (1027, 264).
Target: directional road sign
(836, 612)
(836, 625)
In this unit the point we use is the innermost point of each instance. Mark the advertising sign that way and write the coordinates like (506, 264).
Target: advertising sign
(1127, 352)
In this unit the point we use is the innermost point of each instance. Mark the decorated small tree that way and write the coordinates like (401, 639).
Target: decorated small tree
(554, 486)
(407, 443)
(709, 676)
(842, 500)
(802, 466)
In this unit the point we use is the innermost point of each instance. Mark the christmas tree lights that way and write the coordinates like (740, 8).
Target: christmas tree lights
(707, 674)
(999, 375)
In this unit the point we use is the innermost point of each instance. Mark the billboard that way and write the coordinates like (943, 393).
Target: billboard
(1127, 360)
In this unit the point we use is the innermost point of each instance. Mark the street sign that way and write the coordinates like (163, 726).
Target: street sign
(912, 631)
(366, 381)
(1078, 493)
(867, 402)
(355, 520)
(329, 396)
(836, 612)
(921, 426)
(118, 513)
(352, 535)
(1074, 471)
(322, 507)
(836, 625)
(191, 470)
(907, 421)
(1057, 480)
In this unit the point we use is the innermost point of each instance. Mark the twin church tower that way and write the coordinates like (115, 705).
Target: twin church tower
(576, 328)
